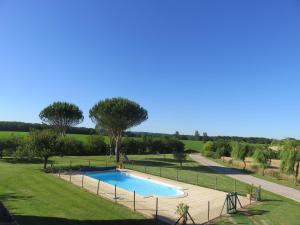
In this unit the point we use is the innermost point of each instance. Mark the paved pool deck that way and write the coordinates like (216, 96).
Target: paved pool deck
(195, 196)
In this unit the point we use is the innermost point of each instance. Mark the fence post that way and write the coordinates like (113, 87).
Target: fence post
(208, 210)
(59, 172)
(115, 193)
(156, 208)
(216, 183)
(160, 171)
(82, 180)
(134, 200)
(98, 187)
(70, 177)
(177, 174)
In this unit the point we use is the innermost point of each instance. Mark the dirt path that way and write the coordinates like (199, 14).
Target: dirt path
(236, 174)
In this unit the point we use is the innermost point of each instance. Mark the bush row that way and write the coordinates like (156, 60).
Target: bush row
(95, 145)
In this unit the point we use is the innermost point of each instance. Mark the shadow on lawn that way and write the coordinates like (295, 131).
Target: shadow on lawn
(168, 160)
(13, 197)
(24, 161)
(160, 162)
(38, 220)
(252, 212)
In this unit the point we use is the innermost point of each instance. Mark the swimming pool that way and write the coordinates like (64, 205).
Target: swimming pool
(140, 185)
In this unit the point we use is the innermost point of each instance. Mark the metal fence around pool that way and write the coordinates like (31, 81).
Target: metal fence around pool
(201, 209)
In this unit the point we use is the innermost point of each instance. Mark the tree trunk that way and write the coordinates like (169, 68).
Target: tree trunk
(45, 162)
(117, 152)
(296, 172)
(263, 171)
(244, 164)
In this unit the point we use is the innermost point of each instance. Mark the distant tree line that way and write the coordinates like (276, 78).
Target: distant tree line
(26, 127)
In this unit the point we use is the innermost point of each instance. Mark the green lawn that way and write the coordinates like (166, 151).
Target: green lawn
(194, 145)
(7, 134)
(37, 198)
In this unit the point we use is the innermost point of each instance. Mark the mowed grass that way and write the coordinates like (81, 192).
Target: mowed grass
(37, 198)
(274, 209)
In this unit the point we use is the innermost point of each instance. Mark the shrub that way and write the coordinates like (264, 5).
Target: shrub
(70, 146)
(96, 145)
(209, 149)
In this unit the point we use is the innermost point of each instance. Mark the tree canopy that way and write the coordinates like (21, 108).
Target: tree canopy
(61, 115)
(240, 151)
(290, 157)
(115, 116)
(262, 156)
(43, 144)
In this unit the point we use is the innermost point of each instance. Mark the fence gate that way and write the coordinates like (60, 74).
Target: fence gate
(231, 200)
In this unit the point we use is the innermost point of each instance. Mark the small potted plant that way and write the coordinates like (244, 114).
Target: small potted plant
(249, 191)
(182, 211)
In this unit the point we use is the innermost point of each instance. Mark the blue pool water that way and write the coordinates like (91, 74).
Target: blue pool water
(132, 183)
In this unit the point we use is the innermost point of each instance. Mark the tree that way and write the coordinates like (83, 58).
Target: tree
(205, 137)
(177, 135)
(290, 158)
(180, 156)
(262, 156)
(223, 148)
(209, 149)
(197, 135)
(240, 151)
(43, 143)
(116, 115)
(61, 115)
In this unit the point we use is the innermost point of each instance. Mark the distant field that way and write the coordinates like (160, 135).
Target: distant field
(195, 145)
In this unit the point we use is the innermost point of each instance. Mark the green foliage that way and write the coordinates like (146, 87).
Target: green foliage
(42, 144)
(96, 145)
(209, 149)
(70, 146)
(223, 148)
(9, 145)
(262, 156)
(180, 156)
(240, 151)
(61, 115)
(182, 210)
(290, 157)
(115, 116)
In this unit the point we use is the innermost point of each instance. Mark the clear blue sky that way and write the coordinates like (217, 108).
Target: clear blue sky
(225, 67)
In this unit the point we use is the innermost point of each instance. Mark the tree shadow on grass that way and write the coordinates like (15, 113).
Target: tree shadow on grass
(13, 197)
(252, 212)
(149, 163)
(24, 161)
(38, 220)
(169, 160)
